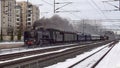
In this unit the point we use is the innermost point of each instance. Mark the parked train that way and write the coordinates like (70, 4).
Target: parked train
(52, 36)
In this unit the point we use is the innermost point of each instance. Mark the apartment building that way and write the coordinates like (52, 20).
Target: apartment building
(35, 13)
(30, 13)
(18, 23)
(7, 16)
(16, 16)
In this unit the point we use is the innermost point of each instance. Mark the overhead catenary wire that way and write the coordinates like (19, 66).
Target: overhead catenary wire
(118, 7)
(95, 8)
(80, 12)
(110, 20)
(62, 9)
(109, 3)
(99, 9)
(47, 2)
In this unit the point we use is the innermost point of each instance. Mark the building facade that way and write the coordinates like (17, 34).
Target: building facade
(18, 23)
(35, 13)
(30, 13)
(7, 17)
(16, 16)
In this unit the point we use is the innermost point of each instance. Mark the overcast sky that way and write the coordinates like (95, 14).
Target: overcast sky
(89, 9)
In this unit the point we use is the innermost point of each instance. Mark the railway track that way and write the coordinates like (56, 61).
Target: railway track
(94, 64)
(29, 52)
(46, 55)
(13, 50)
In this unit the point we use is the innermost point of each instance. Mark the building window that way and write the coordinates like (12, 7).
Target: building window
(17, 28)
(17, 15)
(29, 15)
(18, 19)
(29, 23)
(17, 23)
(29, 19)
(29, 11)
(29, 6)
(3, 22)
(17, 11)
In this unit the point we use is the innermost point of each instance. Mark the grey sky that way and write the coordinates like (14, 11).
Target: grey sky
(88, 9)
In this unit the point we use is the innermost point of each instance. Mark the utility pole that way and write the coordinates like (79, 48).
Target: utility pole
(54, 7)
(119, 5)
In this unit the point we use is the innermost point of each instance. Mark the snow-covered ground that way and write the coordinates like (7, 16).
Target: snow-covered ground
(6, 45)
(85, 64)
(88, 63)
(3, 43)
(57, 51)
(23, 49)
(111, 60)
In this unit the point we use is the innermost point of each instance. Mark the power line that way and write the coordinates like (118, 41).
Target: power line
(99, 8)
(96, 9)
(62, 9)
(62, 6)
(118, 7)
(70, 11)
(47, 2)
(78, 11)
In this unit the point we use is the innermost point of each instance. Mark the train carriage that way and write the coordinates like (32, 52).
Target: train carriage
(95, 37)
(51, 36)
(81, 37)
(56, 36)
(70, 37)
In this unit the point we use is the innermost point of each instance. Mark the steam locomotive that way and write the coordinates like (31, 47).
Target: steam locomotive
(52, 36)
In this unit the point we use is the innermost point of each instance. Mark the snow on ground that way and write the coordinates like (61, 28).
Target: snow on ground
(6, 45)
(70, 62)
(1, 43)
(112, 60)
(61, 50)
(88, 63)
(57, 51)
(21, 49)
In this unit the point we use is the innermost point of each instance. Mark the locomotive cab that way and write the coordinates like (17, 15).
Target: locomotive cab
(29, 37)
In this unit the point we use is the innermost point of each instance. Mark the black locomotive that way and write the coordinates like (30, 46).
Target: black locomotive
(52, 36)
